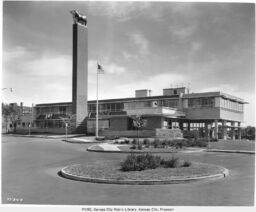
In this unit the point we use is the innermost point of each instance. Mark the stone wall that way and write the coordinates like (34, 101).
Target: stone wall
(127, 133)
(169, 133)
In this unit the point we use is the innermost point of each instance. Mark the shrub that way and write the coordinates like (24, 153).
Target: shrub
(156, 143)
(214, 140)
(171, 162)
(101, 138)
(164, 143)
(111, 137)
(203, 142)
(126, 141)
(139, 147)
(146, 141)
(191, 134)
(140, 162)
(133, 147)
(186, 164)
(179, 144)
(134, 141)
(191, 142)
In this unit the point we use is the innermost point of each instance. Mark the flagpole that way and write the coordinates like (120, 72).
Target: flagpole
(97, 109)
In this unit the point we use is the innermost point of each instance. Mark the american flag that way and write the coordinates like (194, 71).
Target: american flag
(100, 69)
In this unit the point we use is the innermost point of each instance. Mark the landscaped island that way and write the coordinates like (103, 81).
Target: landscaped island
(152, 145)
(143, 169)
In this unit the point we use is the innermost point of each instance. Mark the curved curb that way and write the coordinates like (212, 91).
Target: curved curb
(223, 174)
(231, 151)
(81, 142)
(138, 151)
(122, 151)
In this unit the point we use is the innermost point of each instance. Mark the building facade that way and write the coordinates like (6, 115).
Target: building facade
(211, 114)
(17, 118)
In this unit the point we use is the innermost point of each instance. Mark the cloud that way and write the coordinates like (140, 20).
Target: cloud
(21, 61)
(48, 66)
(15, 53)
(129, 57)
(182, 32)
(109, 67)
(141, 42)
(121, 10)
(226, 88)
(163, 81)
(196, 46)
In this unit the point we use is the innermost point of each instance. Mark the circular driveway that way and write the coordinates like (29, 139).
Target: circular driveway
(30, 176)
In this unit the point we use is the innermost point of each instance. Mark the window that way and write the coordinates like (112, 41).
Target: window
(62, 109)
(170, 103)
(201, 102)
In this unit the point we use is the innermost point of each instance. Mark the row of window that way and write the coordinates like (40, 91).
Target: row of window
(225, 103)
(21, 124)
(201, 102)
(54, 109)
(51, 124)
(172, 103)
(104, 107)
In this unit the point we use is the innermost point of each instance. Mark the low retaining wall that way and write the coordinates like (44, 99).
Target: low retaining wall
(223, 174)
(127, 133)
(160, 133)
(169, 133)
(25, 131)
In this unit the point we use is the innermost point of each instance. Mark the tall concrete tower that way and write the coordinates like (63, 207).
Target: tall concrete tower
(80, 72)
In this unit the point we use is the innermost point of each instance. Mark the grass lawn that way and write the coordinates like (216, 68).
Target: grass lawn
(233, 145)
(111, 170)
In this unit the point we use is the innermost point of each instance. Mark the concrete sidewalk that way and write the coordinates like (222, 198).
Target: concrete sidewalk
(47, 135)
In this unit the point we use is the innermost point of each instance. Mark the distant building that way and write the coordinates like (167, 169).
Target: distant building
(16, 118)
(212, 114)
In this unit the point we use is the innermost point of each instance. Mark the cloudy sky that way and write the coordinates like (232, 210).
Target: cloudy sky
(208, 46)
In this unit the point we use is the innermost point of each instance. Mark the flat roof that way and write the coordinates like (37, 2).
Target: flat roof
(190, 95)
(115, 100)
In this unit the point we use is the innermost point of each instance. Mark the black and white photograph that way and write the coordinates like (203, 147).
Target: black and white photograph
(127, 106)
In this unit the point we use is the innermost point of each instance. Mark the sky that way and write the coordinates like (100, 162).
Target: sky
(141, 45)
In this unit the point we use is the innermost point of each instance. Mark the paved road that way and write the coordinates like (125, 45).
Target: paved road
(30, 167)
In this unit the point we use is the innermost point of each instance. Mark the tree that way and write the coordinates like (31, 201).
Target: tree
(12, 113)
(139, 123)
(249, 132)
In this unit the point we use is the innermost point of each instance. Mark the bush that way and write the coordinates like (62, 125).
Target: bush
(133, 147)
(186, 164)
(156, 143)
(203, 142)
(126, 141)
(100, 138)
(146, 141)
(214, 140)
(179, 144)
(164, 143)
(111, 137)
(140, 162)
(139, 147)
(170, 163)
(134, 141)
